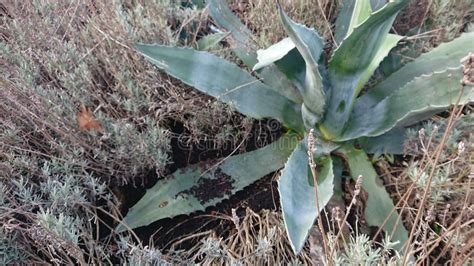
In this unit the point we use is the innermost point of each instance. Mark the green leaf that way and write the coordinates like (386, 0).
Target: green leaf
(360, 12)
(417, 100)
(387, 45)
(310, 46)
(354, 61)
(275, 79)
(389, 143)
(379, 204)
(271, 74)
(439, 59)
(297, 194)
(377, 4)
(274, 53)
(353, 12)
(202, 185)
(343, 20)
(294, 68)
(210, 41)
(228, 83)
(244, 48)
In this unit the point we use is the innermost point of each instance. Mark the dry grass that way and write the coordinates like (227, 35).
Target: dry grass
(57, 56)
(442, 231)
(56, 178)
(254, 239)
(313, 13)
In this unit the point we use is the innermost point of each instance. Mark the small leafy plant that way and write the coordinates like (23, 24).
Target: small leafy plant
(292, 84)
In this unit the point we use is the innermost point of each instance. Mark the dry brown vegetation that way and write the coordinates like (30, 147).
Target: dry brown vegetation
(61, 58)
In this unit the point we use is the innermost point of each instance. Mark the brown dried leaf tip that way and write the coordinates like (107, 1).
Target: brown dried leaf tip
(86, 121)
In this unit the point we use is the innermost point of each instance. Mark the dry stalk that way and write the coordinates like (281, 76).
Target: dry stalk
(314, 173)
(455, 113)
(357, 190)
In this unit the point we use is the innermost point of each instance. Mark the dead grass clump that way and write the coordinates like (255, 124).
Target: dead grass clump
(67, 54)
(56, 175)
(450, 17)
(262, 17)
(443, 233)
(59, 58)
(254, 239)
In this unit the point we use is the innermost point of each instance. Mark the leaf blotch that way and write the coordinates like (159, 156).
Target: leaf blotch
(219, 185)
(341, 107)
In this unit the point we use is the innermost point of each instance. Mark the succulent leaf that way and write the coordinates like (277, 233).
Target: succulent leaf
(379, 204)
(210, 41)
(246, 50)
(377, 4)
(388, 143)
(354, 61)
(274, 53)
(354, 12)
(361, 11)
(310, 46)
(442, 57)
(293, 66)
(417, 100)
(297, 194)
(230, 84)
(273, 77)
(202, 185)
(388, 44)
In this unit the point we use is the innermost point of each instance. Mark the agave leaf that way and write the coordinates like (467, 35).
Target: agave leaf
(379, 204)
(274, 53)
(442, 57)
(365, 42)
(297, 194)
(229, 83)
(343, 20)
(354, 12)
(245, 49)
(377, 4)
(360, 12)
(210, 41)
(310, 46)
(389, 143)
(417, 100)
(293, 66)
(275, 79)
(202, 185)
(354, 61)
(387, 45)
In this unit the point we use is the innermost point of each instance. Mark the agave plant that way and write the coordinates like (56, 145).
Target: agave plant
(291, 84)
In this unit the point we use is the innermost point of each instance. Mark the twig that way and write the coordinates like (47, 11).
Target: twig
(430, 177)
(312, 166)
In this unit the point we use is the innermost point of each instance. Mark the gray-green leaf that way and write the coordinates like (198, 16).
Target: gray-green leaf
(352, 11)
(388, 143)
(310, 46)
(244, 48)
(202, 185)
(442, 57)
(297, 194)
(354, 61)
(210, 41)
(274, 53)
(228, 83)
(379, 204)
(417, 100)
